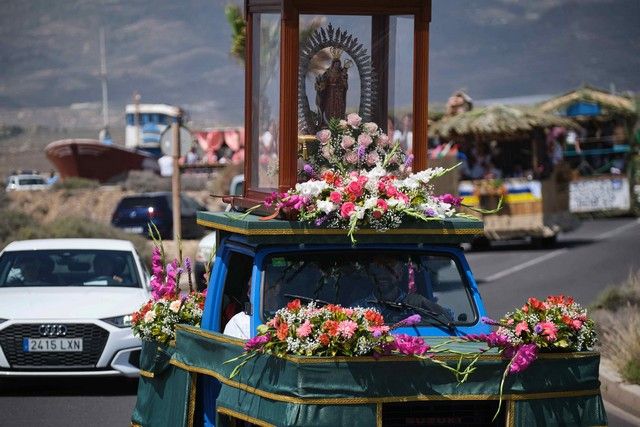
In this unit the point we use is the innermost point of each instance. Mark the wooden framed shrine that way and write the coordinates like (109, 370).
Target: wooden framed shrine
(308, 61)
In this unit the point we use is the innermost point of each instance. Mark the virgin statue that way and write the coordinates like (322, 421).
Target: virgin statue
(331, 90)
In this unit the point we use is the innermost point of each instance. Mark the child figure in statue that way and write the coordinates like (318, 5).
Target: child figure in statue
(331, 90)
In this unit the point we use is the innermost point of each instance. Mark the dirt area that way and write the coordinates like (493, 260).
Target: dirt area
(94, 204)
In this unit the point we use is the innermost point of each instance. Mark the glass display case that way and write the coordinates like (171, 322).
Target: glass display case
(309, 62)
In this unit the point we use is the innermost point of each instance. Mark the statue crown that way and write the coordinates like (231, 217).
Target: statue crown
(335, 52)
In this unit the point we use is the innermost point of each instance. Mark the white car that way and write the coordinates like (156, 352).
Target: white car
(66, 305)
(26, 182)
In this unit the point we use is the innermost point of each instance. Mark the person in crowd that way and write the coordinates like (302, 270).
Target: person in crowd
(192, 156)
(166, 165)
(405, 134)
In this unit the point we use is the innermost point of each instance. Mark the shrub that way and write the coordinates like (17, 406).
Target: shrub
(74, 182)
(614, 297)
(145, 181)
(12, 221)
(618, 317)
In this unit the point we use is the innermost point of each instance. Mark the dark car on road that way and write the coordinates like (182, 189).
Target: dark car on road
(134, 213)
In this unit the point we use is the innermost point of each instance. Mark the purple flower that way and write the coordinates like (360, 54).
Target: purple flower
(408, 161)
(414, 319)
(495, 339)
(361, 152)
(308, 169)
(257, 342)
(411, 346)
(430, 212)
(450, 199)
(523, 357)
(489, 321)
(187, 264)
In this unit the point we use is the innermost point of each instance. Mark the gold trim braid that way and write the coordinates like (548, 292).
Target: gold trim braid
(146, 374)
(368, 400)
(336, 231)
(242, 417)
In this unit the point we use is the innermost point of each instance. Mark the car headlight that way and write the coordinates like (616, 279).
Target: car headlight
(119, 321)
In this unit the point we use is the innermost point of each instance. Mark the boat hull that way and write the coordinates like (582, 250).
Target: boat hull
(88, 158)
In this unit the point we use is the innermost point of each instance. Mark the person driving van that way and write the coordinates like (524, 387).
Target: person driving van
(386, 287)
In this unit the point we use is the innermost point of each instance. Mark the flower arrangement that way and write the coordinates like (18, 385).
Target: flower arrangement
(364, 198)
(555, 324)
(157, 318)
(351, 145)
(331, 330)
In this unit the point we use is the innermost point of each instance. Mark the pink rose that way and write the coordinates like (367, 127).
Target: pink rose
(347, 142)
(354, 120)
(347, 209)
(382, 204)
(383, 139)
(355, 188)
(342, 124)
(324, 136)
(347, 328)
(372, 158)
(351, 157)
(335, 197)
(364, 140)
(370, 127)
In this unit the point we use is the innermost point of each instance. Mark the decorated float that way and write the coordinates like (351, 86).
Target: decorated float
(341, 269)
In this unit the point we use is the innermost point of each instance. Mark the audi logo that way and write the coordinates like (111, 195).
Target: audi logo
(53, 330)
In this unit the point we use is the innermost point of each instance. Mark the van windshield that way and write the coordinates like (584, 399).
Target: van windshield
(69, 268)
(398, 284)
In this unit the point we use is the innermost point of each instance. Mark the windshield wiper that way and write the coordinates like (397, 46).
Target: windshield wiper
(307, 299)
(403, 306)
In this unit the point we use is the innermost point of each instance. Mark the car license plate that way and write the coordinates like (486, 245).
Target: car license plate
(33, 345)
(136, 230)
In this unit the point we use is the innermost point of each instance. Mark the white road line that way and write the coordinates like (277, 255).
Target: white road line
(524, 265)
(618, 230)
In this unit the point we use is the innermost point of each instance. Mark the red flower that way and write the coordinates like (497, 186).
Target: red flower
(536, 304)
(374, 318)
(331, 326)
(282, 331)
(335, 197)
(324, 339)
(294, 305)
(355, 188)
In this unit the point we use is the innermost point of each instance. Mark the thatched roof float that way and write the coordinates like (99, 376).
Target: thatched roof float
(497, 121)
(609, 104)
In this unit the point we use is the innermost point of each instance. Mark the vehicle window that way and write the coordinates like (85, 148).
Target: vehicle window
(137, 202)
(429, 281)
(31, 181)
(69, 268)
(236, 286)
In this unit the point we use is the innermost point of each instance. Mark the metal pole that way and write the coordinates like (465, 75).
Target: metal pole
(103, 77)
(175, 182)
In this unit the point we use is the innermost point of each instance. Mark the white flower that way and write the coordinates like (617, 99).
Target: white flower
(311, 188)
(175, 306)
(359, 212)
(370, 203)
(149, 316)
(326, 206)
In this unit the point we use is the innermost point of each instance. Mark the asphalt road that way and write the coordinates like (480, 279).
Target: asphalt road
(600, 253)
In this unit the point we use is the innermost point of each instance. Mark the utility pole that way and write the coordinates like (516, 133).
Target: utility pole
(175, 181)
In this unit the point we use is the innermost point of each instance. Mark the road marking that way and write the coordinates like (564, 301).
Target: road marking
(524, 265)
(618, 230)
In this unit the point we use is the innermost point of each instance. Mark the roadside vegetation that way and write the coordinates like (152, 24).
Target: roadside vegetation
(617, 313)
(16, 224)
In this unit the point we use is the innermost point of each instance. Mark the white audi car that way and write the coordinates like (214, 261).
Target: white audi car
(65, 307)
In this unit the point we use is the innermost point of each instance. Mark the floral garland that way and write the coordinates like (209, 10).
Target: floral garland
(157, 318)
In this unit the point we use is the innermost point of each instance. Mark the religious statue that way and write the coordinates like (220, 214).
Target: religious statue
(331, 90)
